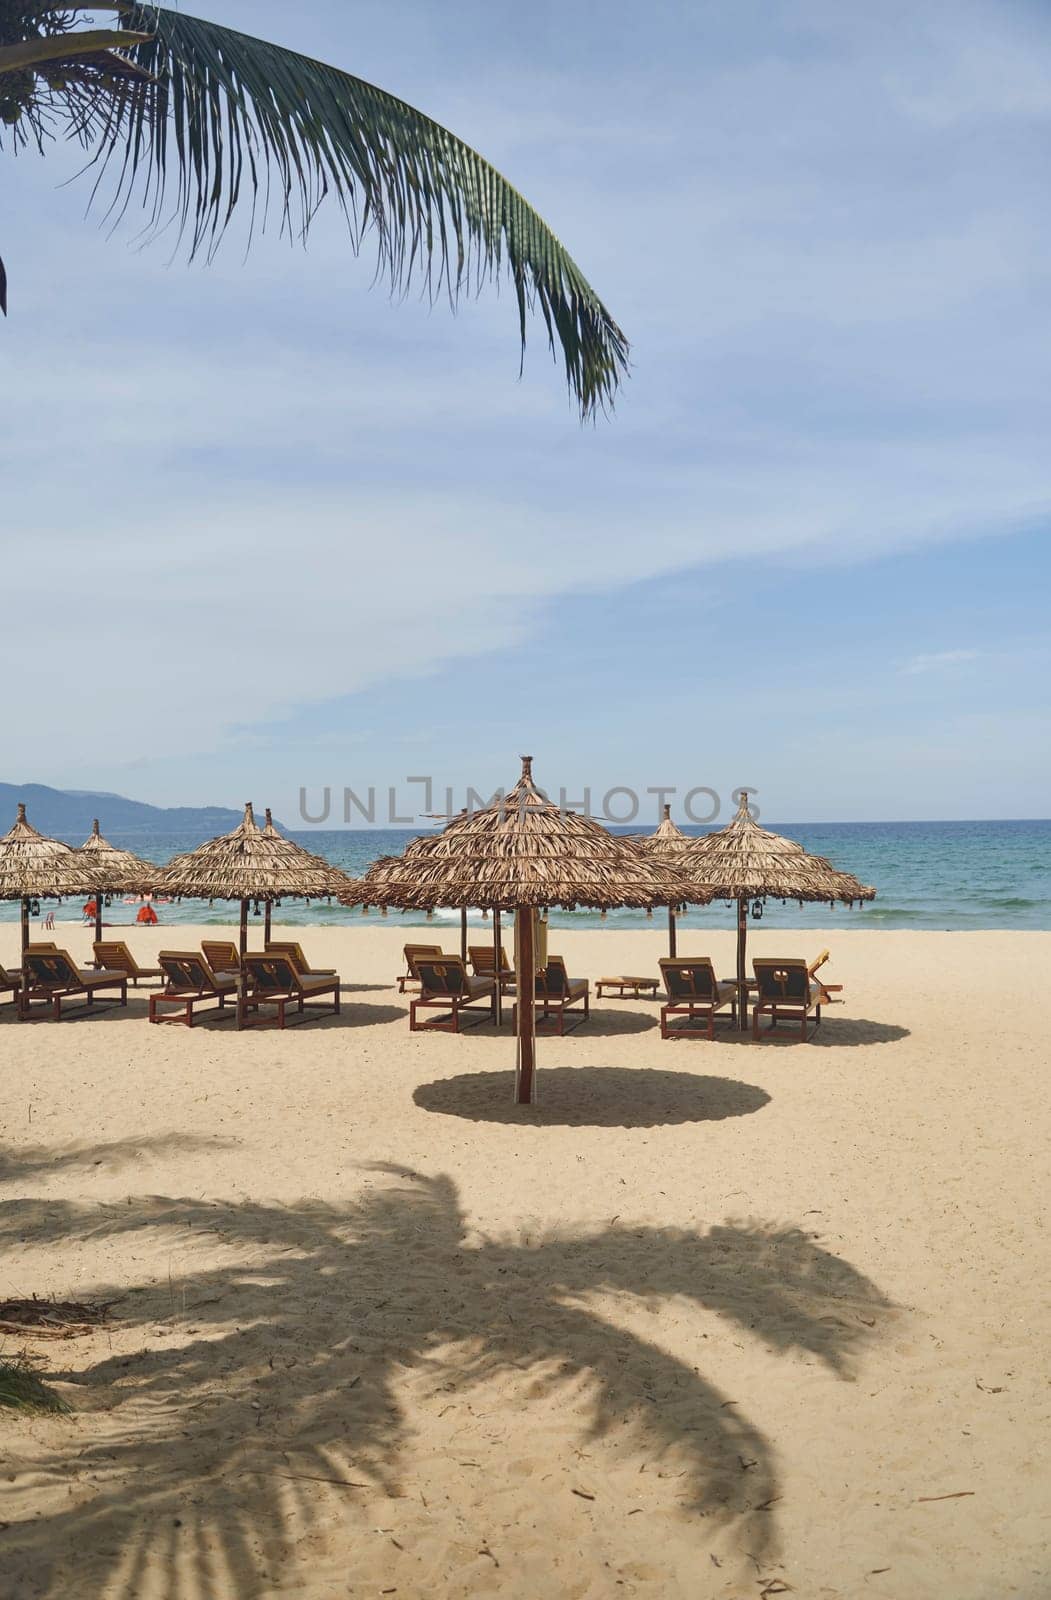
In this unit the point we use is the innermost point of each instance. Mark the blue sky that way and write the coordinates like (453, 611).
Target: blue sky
(266, 529)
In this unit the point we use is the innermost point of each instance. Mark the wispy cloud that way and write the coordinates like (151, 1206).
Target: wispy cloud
(939, 660)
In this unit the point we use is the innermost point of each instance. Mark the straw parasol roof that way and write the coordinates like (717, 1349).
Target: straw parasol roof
(745, 861)
(523, 851)
(116, 870)
(666, 840)
(33, 867)
(251, 863)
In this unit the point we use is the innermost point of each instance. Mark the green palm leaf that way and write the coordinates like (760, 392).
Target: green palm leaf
(228, 122)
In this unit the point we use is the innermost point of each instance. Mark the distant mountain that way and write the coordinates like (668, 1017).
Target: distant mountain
(68, 813)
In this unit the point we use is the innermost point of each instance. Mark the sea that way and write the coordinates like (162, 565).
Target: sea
(947, 875)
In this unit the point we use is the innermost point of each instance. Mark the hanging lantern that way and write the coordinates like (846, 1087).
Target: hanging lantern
(757, 910)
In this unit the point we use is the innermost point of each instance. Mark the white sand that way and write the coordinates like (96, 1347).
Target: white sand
(712, 1320)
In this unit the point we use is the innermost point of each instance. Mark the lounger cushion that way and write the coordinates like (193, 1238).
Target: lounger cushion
(312, 983)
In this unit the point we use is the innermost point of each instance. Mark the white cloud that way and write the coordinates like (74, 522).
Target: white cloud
(229, 493)
(939, 661)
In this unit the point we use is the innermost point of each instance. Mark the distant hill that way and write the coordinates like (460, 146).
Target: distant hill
(68, 813)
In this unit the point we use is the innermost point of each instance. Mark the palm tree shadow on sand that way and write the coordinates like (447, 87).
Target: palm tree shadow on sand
(202, 1456)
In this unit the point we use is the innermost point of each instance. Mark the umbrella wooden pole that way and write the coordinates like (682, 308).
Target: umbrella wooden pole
(742, 972)
(525, 984)
(266, 925)
(243, 943)
(671, 931)
(98, 915)
(498, 1002)
(25, 926)
(463, 933)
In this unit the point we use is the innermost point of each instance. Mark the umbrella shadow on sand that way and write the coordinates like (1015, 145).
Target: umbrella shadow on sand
(196, 1475)
(594, 1097)
(834, 1032)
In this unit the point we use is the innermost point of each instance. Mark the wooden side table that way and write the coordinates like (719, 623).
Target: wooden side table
(625, 984)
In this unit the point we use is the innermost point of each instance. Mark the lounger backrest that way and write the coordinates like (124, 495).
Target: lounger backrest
(221, 955)
(114, 955)
(273, 972)
(554, 980)
(289, 948)
(786, 981)
(8, 980)
(51, 969)
(483, 961)
(186, 969)
(446, 975)
(413, 952)
(692, 979)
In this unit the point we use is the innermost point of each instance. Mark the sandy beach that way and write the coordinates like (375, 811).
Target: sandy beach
(710, 1320)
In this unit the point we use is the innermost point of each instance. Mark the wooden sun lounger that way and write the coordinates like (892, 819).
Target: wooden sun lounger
(272, 979)
(786, 992)
(10, 983)
(447, 986)
(411, 952)
(221, 955)
(483, 964)
(294, 952)
(827, 989)
(113, 955)
(556, 993)
(51, 976)
(694, 994)
(190, 982)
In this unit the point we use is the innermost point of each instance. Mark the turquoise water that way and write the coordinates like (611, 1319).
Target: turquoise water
(926, 874)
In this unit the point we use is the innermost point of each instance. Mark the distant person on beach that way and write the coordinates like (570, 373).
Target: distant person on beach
(91, 911)
(147, 916)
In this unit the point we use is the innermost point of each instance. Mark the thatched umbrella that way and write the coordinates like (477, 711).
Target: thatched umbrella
(523, 853)
(33, 867)
(667, 843)
(252, 864)
(115, 871)
(745, 862)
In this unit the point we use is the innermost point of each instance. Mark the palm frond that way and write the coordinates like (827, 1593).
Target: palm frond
(228, 121)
